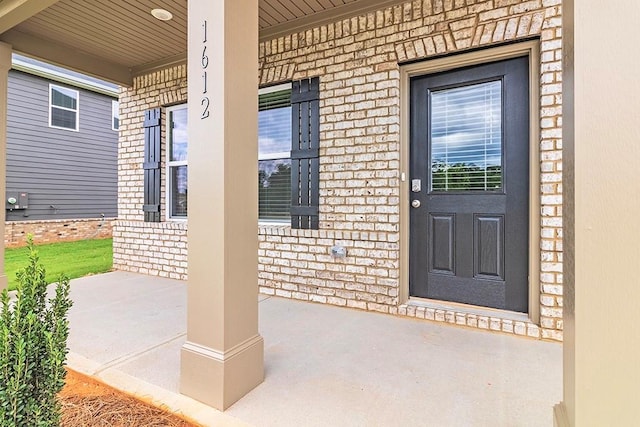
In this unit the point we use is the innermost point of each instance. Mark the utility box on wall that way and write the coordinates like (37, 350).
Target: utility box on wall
(17, 200)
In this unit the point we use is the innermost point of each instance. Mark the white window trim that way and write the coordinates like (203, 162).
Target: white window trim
(276, 88)
(274, 156)
(115, 113)
(169, 164)
(77, 110)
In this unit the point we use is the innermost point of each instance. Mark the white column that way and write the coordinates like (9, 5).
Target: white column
(601, 157)
(222, 359)
(5, 66)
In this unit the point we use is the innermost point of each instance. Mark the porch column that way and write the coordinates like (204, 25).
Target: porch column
(601, 157)
(5, 66)
(222, 359)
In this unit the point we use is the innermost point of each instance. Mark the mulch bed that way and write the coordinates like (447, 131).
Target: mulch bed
(87, 403)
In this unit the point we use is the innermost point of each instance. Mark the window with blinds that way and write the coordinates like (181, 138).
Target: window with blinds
(63, 107)
(466, 138)
(177, 166)
(274, 153)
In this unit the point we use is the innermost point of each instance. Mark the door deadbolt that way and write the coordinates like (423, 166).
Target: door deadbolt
(415, 203)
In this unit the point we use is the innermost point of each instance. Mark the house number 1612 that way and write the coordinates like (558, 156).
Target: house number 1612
(204, 101)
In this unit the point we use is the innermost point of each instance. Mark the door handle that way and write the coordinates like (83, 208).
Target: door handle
(415, 203)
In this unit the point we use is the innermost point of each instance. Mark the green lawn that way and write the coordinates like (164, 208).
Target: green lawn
(75, 259)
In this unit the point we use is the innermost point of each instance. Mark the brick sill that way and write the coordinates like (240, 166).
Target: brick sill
(471, 316)
(165, 225)
(277, 229)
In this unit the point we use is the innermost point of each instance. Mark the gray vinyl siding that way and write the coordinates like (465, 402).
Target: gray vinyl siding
(67, 174)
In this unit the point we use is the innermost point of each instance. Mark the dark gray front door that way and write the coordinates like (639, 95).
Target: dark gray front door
(469, 185)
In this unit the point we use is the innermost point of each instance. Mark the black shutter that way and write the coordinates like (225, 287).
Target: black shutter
(151, 165)
(305, 141)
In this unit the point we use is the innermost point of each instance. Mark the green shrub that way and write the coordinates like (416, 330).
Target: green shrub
(33, 348)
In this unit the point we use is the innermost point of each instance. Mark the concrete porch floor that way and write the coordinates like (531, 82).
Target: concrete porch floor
(324, 365)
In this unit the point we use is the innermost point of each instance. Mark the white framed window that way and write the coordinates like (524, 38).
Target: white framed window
(274, 153)
(64, 107)
(177, 143)
(115, 115)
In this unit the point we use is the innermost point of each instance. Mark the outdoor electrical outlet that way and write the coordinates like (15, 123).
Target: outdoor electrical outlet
(339, 252)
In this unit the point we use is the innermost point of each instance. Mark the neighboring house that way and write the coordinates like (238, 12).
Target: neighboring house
(477, 154)
(62, 135)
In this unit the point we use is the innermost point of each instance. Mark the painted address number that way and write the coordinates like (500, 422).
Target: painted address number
(204, 102)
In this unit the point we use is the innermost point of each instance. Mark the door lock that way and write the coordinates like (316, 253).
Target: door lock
(415, 203)
(416, 185)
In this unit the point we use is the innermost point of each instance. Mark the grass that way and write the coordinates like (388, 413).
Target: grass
(75, 259)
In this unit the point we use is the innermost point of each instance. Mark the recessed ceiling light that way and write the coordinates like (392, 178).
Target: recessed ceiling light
(162, 14)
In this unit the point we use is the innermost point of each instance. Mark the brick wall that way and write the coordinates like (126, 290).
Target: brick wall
(159, 249)
(15, 232)
(357, 60)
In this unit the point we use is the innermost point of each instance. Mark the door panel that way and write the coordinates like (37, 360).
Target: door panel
(489, 250)
(470, 153)
(443, 243)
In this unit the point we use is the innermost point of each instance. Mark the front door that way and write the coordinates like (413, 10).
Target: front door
(469, 186)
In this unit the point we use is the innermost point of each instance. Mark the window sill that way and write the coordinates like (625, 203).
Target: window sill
(272, 227)
(176, 220)
(63, 128)
(164, 225)
(268, 222)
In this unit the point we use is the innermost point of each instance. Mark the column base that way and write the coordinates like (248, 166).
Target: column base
(560, 418)
(3, 282)
(220, 379)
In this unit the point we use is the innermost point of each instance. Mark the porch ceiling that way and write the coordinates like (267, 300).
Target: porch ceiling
(118, 39)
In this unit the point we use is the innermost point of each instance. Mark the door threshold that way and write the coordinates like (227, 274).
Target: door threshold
(471, 316)
(469, 309)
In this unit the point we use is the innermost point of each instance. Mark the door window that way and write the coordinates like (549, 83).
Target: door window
(466, 138)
